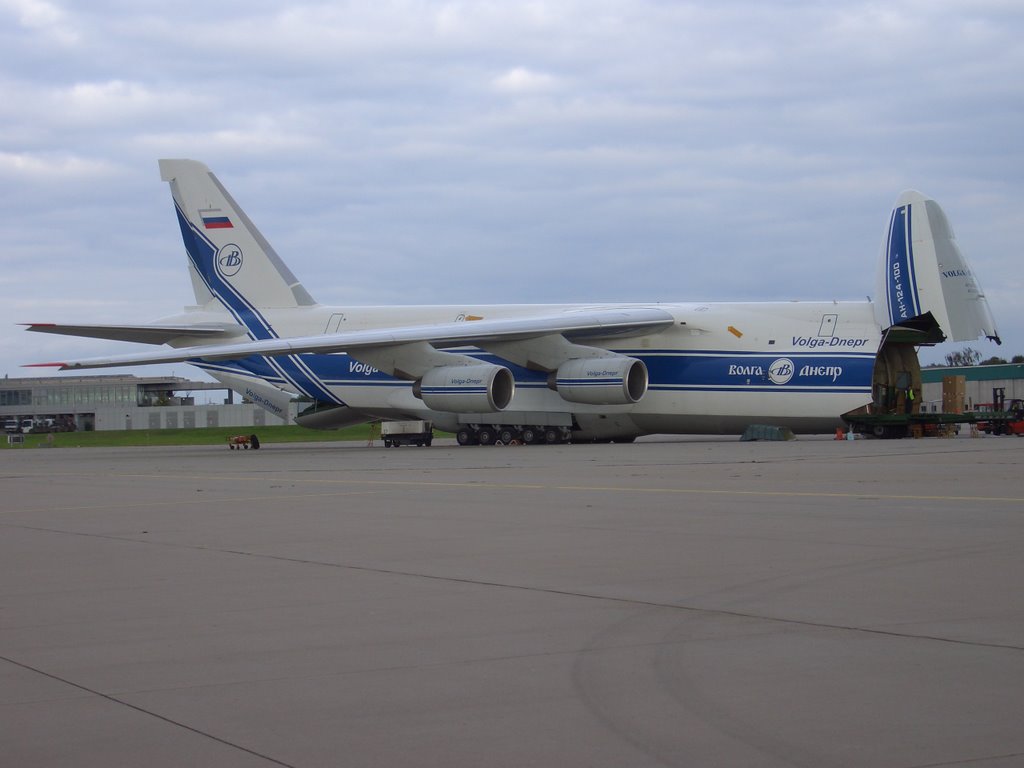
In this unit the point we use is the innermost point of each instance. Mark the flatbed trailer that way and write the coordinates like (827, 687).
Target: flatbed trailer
(897, 425)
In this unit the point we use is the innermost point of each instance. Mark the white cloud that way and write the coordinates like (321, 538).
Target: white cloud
(112, 97)
(523, 80)
(260, 137)
(514, 151)
(53, 166)
(35, 14)
(42, 16)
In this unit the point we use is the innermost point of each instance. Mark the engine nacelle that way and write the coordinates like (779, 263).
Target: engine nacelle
(480, 388)
(601, 380)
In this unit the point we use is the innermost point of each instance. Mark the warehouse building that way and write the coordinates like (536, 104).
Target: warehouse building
(88, 403)
(980, 386)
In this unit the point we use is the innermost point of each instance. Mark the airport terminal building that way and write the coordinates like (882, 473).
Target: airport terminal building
(89, 403)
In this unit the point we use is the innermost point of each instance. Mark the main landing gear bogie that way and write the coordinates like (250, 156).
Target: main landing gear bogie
(489, 434)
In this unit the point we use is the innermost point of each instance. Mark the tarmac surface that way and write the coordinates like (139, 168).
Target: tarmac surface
(697, 602)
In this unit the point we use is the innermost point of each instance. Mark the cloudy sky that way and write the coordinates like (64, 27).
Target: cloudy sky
(397, 151)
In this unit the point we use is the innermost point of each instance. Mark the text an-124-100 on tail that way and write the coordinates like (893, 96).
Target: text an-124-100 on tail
(553, 372)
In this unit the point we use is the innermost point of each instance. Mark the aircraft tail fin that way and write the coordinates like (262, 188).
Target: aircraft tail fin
(925, 281)
(229, 260)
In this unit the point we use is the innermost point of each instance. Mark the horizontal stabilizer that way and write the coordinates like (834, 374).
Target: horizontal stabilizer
(143, 334)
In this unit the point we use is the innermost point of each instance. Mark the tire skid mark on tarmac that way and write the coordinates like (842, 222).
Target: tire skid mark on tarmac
(488, 485)
(693, 609)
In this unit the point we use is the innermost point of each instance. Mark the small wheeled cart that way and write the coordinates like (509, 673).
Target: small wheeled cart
(243, 442)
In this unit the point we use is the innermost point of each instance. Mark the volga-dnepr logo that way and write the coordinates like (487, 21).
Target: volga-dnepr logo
(229, 260)
(781, 371)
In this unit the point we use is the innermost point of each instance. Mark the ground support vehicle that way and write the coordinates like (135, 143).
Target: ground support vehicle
(896, 425)
(1001, 418)
(244, 442)
(396, 433)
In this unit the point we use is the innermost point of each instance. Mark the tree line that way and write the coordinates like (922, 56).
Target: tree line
(970, 356)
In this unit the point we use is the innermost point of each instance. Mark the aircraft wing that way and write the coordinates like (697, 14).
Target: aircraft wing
(573, 325)
(144, 334)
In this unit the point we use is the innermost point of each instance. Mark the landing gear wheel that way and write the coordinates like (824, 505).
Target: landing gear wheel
(465, 436)
(254, 442)
(530, 436)
(507, 435)
(486, 436)
(552, 436)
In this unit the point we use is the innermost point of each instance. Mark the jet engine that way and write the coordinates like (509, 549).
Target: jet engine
(601, 380)
(466, 388)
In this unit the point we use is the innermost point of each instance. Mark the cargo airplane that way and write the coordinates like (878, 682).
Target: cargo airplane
(550, 373)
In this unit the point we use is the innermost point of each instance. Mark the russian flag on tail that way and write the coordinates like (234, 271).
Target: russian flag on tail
(214, 218)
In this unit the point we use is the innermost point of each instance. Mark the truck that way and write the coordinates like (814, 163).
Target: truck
(397, 433)
(22, 424)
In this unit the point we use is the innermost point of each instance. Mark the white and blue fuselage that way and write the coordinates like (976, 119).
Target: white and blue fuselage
(719, 368)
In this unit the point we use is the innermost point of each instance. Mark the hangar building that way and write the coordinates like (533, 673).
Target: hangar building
(124, 402)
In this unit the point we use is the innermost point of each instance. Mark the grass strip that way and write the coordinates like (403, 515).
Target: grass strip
(207, 436)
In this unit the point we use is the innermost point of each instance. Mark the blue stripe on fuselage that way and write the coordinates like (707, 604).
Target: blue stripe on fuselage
(668, 370)
(727, 370)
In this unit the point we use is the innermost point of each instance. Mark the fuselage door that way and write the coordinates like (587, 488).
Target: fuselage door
(827, 329)
(334, 324)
